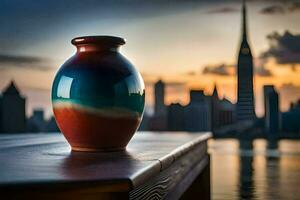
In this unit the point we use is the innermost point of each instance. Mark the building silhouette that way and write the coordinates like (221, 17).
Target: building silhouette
(245, 97)
(36, 123)
(215, 109)
(266, 90)
(12, 110)
(222, 111)
(159, 120)
(51, 125)
(202, 113)
(272, 112)
(176, 117)
(197, 114)
(13, 114)
(159, 98)
(290, 119)
(226, 113)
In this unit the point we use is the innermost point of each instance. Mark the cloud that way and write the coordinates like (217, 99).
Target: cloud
(222, 70)
(284, 48)
(295, 6)
(230, 70)
(284, 7)
(190, 73)
(8, 61)
(262, 71)
(223, 10)
(12, 59)
(260, 68)
(274, 9)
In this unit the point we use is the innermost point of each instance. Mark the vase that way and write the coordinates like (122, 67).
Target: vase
(98, 96)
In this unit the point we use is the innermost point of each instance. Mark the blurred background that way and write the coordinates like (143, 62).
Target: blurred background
(185, 50)
(188, 44)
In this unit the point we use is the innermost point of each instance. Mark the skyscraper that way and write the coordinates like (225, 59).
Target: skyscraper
(221, 111)
(159, 120)
(37, 122)
(175, 117)
(12, 110)
(245, 97)
(272, 113)
(197, 114)
(267, 89)
(159, 103)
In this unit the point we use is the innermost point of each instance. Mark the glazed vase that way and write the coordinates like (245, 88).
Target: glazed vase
(98, 96)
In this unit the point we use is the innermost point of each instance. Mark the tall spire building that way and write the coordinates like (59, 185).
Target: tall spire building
(245, 97)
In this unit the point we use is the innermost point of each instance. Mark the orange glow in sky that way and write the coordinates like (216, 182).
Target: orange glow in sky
(174, 46)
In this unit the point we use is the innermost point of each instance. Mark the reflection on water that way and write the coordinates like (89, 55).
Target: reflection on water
(258, 174)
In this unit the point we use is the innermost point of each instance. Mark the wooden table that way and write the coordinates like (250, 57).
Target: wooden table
(155, 166)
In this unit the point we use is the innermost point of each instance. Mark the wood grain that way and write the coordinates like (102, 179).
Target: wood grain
(159, 186)
(42, 165)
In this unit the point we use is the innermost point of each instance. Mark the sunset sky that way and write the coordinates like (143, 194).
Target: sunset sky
(187, 43)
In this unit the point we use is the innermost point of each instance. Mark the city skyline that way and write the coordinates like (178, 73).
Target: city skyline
(196, 56)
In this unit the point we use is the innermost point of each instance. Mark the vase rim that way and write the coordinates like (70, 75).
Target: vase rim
(99, 39)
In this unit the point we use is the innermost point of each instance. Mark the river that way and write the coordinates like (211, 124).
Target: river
(255, 174)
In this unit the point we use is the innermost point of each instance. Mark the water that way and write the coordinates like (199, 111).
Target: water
(258, 174)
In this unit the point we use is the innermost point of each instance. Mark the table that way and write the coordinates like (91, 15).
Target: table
(156, 165)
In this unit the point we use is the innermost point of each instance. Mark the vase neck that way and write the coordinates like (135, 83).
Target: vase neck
(95, 48)
(97, 43)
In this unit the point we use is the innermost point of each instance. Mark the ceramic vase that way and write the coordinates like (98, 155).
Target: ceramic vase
(98, 96)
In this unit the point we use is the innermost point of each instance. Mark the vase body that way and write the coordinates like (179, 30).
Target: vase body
(98, 96)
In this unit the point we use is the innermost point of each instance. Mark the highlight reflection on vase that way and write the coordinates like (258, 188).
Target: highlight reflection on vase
(98, 96)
